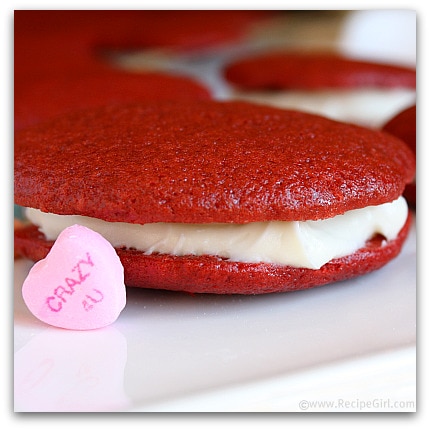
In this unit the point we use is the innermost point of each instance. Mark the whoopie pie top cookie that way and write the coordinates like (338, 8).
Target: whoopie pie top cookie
(404, 126)
(314, 70)
(205, 162)
(42, 99)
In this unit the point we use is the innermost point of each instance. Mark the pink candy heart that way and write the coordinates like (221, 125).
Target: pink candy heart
(80, 283)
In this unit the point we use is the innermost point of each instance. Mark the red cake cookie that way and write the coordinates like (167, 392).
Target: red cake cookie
(404, 126)
(50, 43)
(42, 99)
(184, 30)
(131, 29)
(220, 165)
(292, 70)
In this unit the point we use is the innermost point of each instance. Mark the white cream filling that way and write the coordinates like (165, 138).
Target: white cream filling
(308, 244)
(371, 108)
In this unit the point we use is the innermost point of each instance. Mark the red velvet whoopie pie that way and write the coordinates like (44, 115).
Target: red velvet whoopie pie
(210, 163)
(365, 93)
(64, 42)
(404, 126)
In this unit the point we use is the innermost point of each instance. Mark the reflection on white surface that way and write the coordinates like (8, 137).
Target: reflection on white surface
(64, 371)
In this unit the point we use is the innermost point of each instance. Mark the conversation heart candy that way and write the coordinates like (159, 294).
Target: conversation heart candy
(79, 285)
